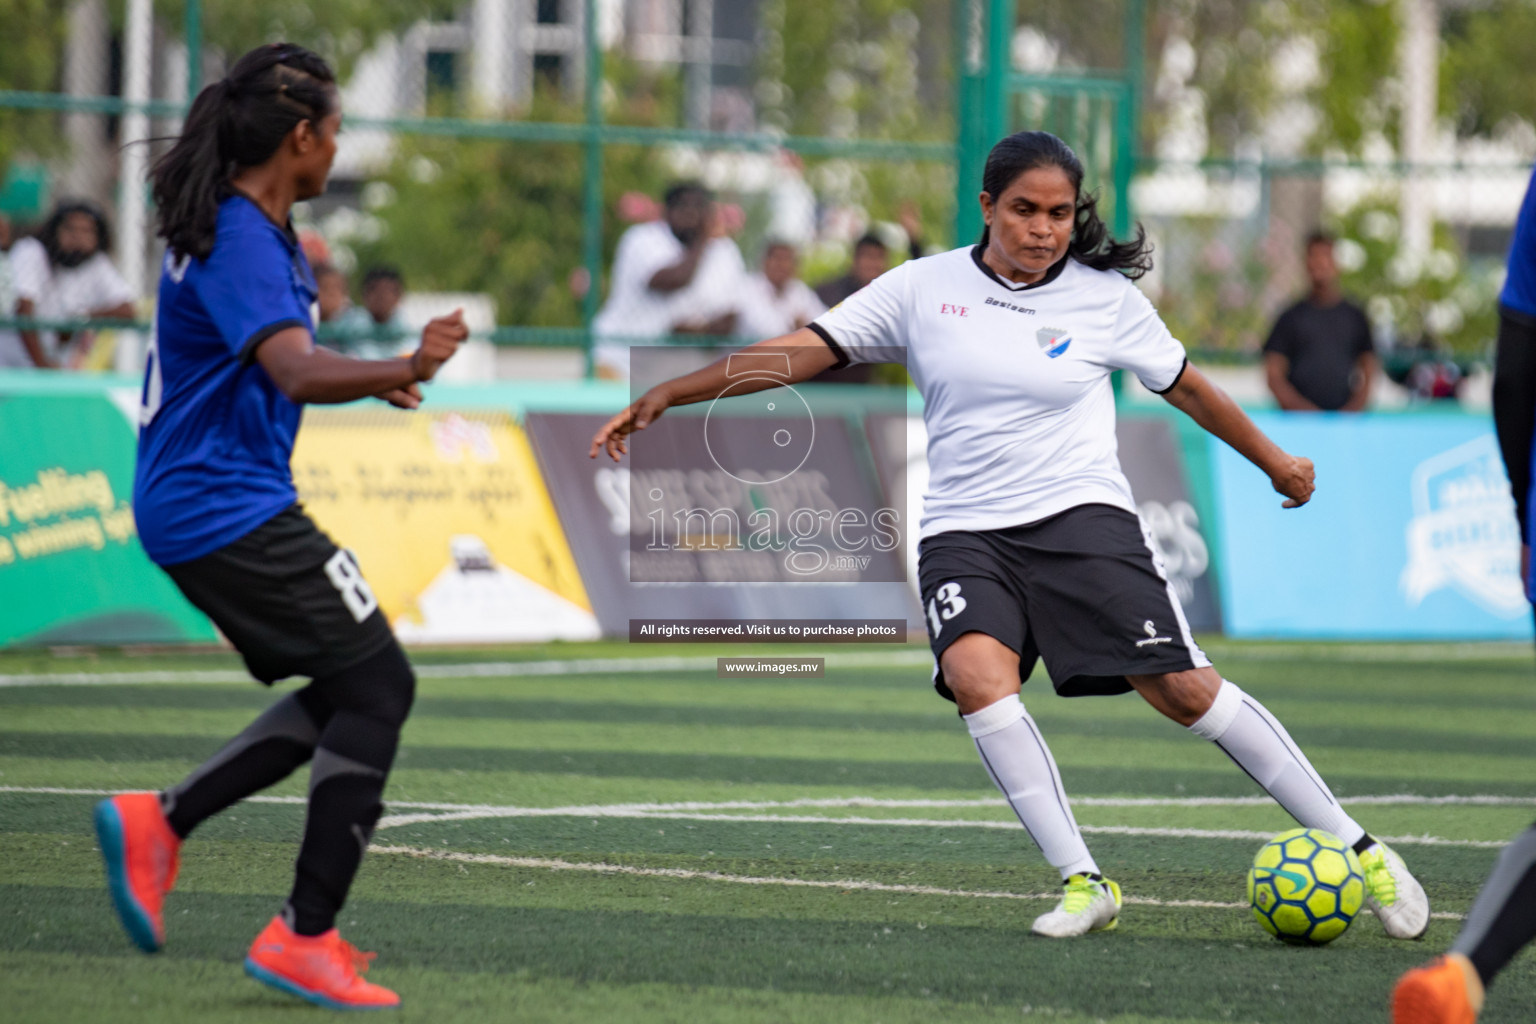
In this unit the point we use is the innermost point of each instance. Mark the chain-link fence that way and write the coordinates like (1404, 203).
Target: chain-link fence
(495, 152)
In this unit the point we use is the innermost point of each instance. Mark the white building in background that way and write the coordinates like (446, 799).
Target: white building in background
(1481, 199)
(496, 50)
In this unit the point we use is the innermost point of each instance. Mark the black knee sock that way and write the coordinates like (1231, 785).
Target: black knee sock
(346, 785)
(268, 751)
(1503, 917)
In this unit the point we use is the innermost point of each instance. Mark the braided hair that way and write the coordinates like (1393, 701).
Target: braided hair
(237, 122)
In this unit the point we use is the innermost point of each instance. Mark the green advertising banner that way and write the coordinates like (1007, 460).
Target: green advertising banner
(71, 568)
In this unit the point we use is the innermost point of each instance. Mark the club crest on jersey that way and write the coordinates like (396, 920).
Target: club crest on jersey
(1053, 340)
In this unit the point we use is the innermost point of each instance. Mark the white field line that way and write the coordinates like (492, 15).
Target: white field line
(851, 802)
(701, 663)
(549, 864)
(845, 884)
(1492, 650)
(396, 821)
(429, 813)
(562, 667)
(861, 659)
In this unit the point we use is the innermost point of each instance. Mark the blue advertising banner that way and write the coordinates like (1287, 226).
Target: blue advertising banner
(1411, 534)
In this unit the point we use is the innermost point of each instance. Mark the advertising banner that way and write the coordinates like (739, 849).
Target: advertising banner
(1153, 464)
(71, 568)
(449, 520)
(1411, 534)
(741, 567)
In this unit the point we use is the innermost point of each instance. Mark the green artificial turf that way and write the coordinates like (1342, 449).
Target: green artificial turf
(608, 908)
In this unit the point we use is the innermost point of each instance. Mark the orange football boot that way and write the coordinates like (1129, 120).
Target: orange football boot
(1444, 991)
(324, 969)
(142, 858)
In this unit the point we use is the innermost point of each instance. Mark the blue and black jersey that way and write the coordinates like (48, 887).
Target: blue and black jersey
(216, 434)
(1514, 378)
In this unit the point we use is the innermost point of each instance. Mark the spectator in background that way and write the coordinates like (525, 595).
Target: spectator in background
(65, 274)
(680, 274)
(331, 292)
(1319, 354)
(12, 352)
(871, 258)
(775, 301)
(316, 249)
(374, 330)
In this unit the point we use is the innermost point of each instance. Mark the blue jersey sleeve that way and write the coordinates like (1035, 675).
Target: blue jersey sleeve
(1519, 292)
(252, 287)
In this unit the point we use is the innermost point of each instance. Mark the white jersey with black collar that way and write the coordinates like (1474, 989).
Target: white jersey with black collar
(1015, 380)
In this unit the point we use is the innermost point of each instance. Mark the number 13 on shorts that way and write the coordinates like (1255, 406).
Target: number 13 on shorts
(944, 605)
(348, 580)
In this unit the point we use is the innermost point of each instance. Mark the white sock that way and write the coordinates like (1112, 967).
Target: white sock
(1248, 734)
(1020, 763)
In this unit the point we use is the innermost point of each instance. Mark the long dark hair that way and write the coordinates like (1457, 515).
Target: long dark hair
(1092, 244)
(238, 121)
(48, 234)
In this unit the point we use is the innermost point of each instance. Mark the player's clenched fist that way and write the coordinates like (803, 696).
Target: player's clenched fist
(1296, 479)
(440, 339)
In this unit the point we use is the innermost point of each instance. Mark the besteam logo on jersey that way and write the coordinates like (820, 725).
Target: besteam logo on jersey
(1053, 340)
(1463, 532)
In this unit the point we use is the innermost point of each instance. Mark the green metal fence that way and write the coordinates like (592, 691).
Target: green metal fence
(924, 142)
(878, 101)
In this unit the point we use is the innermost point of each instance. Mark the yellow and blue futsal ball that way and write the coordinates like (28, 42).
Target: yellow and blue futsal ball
(1306, 886)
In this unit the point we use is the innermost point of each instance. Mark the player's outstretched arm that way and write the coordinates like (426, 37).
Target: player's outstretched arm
(307, 373)
(808, 356)
(1208, 405)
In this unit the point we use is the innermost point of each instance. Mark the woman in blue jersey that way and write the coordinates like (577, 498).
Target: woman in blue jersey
(232, 365)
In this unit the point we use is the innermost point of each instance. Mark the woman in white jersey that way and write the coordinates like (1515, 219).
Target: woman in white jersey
(1031, 546)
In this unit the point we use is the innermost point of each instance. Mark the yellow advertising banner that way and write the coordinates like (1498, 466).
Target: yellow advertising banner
(450, 521)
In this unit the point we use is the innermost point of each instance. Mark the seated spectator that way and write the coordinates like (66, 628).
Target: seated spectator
(374, 330)
(331, 292)
(65, 274)
(1319, 355)
(775, 301)
(678, 274)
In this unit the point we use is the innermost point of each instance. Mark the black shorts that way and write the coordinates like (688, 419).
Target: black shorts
(290, 600)
(1083, 589)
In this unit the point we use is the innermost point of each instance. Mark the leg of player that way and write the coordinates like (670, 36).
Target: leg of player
(1218, 710)
(300, 951)
(141, 833)
(1502, 921)
(983, 674)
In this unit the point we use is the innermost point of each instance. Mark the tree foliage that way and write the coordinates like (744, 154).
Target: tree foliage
(1488, 68)
(1355, 91)
(506, 218)
(339, 30)
(29, 61)
(503, 218)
